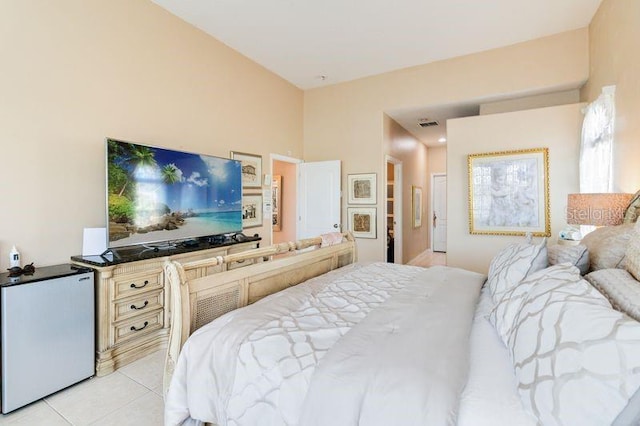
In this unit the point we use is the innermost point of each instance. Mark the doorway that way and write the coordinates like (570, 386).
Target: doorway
(393, 209)
(284, 184)
(439, 212)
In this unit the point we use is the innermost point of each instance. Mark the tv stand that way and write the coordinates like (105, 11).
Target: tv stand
(132, 318)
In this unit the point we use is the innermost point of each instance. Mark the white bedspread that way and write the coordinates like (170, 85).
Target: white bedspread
(491, 396)
(255, 365)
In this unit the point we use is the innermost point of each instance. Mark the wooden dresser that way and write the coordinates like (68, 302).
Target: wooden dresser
(132, 301)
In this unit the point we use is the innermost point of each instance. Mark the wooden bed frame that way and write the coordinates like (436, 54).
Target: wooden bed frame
(197, 300)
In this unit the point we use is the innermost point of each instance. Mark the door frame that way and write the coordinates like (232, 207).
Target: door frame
(397, 208)
(284, 159)
(432, 183)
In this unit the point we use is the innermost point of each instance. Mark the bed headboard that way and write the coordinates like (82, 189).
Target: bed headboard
(197, 297)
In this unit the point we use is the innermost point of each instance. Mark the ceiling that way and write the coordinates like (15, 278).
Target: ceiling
(314, 44)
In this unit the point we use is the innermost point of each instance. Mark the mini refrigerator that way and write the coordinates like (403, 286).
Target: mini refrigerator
(47, 332)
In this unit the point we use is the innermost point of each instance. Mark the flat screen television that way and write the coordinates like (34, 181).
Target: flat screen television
(157, 195)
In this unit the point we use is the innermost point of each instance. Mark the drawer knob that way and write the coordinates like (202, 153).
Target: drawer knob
(133, 327)
(133, 285)
(146, 302)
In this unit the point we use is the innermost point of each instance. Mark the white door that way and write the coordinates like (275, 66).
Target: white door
(318, 198)
(439, 218)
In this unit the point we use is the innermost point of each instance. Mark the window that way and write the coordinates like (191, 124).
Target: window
(596, 149)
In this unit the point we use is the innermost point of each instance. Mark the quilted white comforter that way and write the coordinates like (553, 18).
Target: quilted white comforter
(376, 344)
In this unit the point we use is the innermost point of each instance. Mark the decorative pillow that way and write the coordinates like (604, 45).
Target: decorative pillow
(633, 210)
(512, 264)
(632, 256)
(577, 360)
(503, 315)
(607, 246)
(622, 290)
(577, 255)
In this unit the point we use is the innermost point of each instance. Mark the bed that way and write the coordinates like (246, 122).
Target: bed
(316, 338)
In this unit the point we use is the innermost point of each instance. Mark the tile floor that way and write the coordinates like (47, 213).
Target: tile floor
(429, 258)
(130, 396)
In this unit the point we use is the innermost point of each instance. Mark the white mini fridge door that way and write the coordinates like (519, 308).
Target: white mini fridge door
(47, 337)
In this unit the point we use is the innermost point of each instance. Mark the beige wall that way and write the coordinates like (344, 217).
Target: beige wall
(436, 163)
(74, 72)
(560, 132)
(614, 50)
(346, 121)
(288, 207)
(530, 102)
(403, 146)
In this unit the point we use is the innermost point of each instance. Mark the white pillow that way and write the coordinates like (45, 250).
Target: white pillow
(577, 360)
(512, 264)
(504, 314)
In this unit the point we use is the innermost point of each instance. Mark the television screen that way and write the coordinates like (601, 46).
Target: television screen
(161, 195)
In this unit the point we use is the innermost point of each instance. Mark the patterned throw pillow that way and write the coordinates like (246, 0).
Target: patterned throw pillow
(503, 315)
(577, 255)
(633, 253)
(607, 246)
(577, 360)
(512, 264)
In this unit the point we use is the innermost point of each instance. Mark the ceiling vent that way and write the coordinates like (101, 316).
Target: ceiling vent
(427, 123)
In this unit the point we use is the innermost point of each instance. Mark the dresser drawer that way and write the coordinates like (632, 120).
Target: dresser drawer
(130, 285)
(138, 326)
(138, 305)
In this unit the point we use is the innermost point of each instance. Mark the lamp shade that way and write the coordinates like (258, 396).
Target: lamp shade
(597, 209)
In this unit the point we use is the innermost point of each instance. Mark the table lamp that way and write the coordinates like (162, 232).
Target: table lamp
(598, 209)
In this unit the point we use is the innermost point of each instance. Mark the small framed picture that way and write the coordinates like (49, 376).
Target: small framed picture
(251, 210)
(362, 221)
(251, 169)
(362, 188)
(416, 206)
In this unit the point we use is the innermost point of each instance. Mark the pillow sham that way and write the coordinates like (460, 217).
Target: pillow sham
(576, 360)
(577, 255)
(622, 290)
(607, 246)
(503, 315)
(632, 254)
(512, 264)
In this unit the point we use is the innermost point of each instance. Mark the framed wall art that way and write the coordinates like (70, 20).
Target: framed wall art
(416, 206)
(276, 211)
(251, 169)
(509, 193)
(362, 221)
(251, 210)
(362, 188)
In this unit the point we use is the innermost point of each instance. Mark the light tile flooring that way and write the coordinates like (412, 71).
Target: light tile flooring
(130, 396)
(429, 258)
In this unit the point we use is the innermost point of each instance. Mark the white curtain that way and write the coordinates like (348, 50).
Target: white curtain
(596, 149)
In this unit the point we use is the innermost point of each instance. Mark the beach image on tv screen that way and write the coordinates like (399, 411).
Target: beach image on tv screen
(159, 195)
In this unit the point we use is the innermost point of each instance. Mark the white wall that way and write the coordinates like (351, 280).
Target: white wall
(556, 128)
